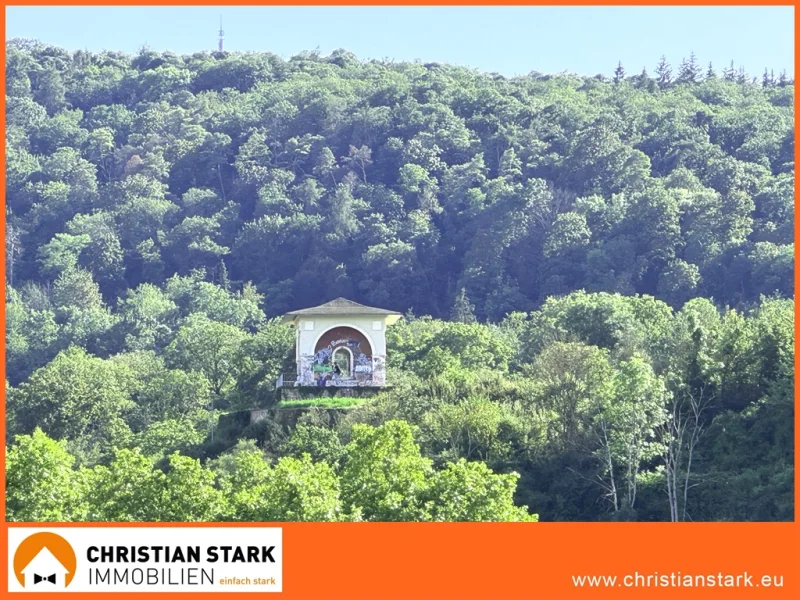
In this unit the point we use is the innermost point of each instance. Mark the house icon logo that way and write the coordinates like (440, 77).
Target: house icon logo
(44, 562)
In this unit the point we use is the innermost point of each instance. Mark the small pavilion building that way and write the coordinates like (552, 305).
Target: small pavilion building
(340, 343)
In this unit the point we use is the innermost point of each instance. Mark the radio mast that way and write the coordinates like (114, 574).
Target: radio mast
(221, 34)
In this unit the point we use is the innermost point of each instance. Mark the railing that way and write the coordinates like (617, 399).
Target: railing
(286, 380)
(292, 380)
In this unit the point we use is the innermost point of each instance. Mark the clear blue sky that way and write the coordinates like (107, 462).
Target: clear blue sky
(508, 40)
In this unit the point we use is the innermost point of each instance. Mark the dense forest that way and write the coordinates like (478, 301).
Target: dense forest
(596, 275)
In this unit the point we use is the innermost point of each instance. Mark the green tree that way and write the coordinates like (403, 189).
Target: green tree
(678, 282)
(147, 317)
(162, 209)
(689, 70)
(188, 493)
(619, 73)
(76, 396)
(470, 491)
(663, 72)
(320, 443)
(301, 490)
(210, 348)
(473, 429)
(463, 311)
(625, 430)
(128, 489)
(384, 474)
(293, 490)
(50, 91)
(41, 484)
(171, 435)
(62, 252)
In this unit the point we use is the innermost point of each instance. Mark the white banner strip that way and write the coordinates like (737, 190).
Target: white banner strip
(145, 559)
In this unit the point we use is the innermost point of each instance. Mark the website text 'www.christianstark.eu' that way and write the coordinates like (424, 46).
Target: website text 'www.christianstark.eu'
(678, 579)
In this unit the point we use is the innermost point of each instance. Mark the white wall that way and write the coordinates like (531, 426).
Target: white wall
(308, 339)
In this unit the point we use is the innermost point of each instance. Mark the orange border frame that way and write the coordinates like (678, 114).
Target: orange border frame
(487, 560)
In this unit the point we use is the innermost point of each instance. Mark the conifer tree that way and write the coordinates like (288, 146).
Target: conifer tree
(224, 282)
(741, 76)
(643, 79)
(663, 72)
(510, 166)
(463, 311)
(729, 73)
(689, 71)
(619, 73)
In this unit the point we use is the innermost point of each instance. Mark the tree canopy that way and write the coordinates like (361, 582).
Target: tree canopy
(596, 273)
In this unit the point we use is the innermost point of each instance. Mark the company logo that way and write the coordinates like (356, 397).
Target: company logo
(145, 559)
(44, 561)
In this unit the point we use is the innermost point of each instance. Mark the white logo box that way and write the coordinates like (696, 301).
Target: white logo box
(198, 572)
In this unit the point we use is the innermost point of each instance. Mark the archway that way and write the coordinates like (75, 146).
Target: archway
(347, 347)
(343, 358)
(345, 331)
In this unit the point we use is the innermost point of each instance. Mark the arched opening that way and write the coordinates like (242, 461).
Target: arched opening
(340, 332)
(343, 358)
(342, 352)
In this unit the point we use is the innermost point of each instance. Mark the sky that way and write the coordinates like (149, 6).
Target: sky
(507, 40)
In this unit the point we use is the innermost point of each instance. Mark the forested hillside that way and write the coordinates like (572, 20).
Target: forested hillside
(597, 276)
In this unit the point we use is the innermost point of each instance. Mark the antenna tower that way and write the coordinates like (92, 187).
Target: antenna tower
(221, 34)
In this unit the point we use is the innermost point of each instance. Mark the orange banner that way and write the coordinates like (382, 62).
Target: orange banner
(548, 560)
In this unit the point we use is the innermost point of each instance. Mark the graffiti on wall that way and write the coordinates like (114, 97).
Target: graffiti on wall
(361, 368)
(305, 370)
(323, 355)
(363, 364)
(318, 369)
(378, 370)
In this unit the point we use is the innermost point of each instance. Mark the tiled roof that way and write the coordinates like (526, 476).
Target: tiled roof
(341, 306)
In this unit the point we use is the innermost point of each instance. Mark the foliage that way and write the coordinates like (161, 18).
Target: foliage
(585, 256)
(41, 484)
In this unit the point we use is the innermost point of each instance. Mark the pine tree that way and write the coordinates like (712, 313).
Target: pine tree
(689, 71)
(224, 282)
(711, 73)
(510, 166)
(741, 76)
(463, 311)
(729, 74)
(782, 79)
(683, 76)
(619, 73)
(663, 72)
(643, 79)
(694, 68)
(765, 80)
